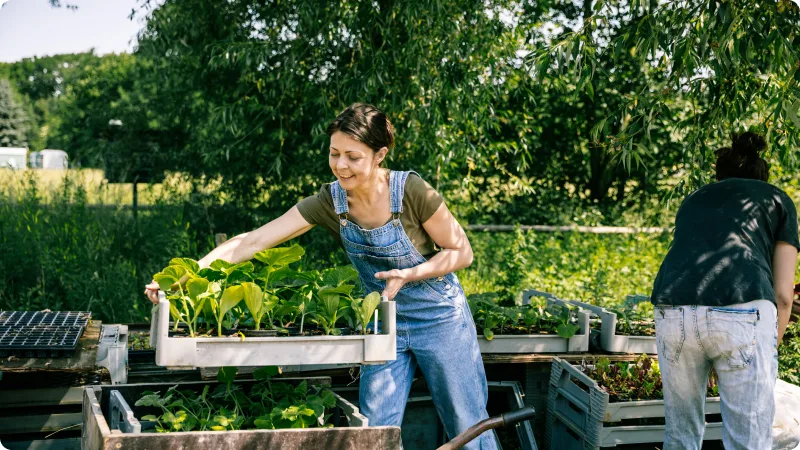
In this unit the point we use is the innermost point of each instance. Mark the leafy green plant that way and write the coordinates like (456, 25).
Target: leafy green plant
(267, 405)
(329, 308)
(789, 354)
(632, 320)
(364, 308)
(539, 317)
(638, 380)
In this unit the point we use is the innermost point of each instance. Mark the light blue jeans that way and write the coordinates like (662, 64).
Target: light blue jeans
(740, 343)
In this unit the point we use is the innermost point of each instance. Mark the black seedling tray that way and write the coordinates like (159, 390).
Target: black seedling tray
(20, 319)
(39, 341)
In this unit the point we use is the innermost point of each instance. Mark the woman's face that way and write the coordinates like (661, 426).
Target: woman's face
(353, 162)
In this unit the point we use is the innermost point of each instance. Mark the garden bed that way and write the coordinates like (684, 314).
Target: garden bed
(125, 425)
(583, 414)
(550, 327)
(625, 330)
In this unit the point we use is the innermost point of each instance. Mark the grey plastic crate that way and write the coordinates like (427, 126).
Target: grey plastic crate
(580, 417)
(540, 343)
(610, 341)
(186, 352)
(107, 406)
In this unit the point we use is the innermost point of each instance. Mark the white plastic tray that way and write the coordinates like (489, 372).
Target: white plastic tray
(540, 343)
(612, 342)
(186, 352)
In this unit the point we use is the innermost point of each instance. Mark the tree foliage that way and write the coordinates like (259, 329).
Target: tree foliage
(13, 126)
(734, 64)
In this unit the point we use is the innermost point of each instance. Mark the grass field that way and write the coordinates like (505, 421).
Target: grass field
(98, 190)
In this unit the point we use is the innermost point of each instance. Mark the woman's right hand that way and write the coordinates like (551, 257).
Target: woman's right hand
(151, 291)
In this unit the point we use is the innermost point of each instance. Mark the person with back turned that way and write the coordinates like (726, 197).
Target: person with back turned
(723, 297)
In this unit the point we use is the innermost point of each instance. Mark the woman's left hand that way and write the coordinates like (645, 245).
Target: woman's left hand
(395, 279)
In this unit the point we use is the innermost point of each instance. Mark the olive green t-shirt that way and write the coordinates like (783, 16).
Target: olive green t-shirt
(420, 201)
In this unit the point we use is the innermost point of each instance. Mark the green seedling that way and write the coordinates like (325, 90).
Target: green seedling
(364, 308)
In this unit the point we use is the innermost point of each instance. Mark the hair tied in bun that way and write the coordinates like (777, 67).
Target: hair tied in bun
(749, 144)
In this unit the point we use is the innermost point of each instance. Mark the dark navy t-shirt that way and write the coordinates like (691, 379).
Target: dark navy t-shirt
(725, 235)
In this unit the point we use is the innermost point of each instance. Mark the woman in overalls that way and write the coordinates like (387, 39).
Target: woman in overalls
(390, 224)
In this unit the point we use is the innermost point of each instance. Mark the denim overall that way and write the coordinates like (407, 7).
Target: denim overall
(434, 328)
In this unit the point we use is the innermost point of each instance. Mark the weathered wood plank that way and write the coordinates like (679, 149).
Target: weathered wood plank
(36, 397)
(522, 358)
(82, 360)
(38, 423)
(372, 438)
(45, 444)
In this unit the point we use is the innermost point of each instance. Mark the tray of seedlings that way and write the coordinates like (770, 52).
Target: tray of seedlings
(265, 312)
(629, 328)
(266, 412)
(542, 324)
(605, 405)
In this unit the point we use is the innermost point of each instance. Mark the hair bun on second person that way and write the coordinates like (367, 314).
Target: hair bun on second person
(749, 144)
(741, 159)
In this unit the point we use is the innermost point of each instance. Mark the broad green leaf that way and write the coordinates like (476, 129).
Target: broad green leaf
(328, 399)
(253, 298)
(196, 287)
(280, 256)
(169, 276)
(264, 423)
(220, 265)
(227, 374)
(566, 330)
(237, 276)
(150, 417)
(230, 298)
(245, 267)
(365, 308)
(488, 334)
(339, 276)
(189, 265)
(211, 274)
(265, 373)
(150, 400)
(221, 421)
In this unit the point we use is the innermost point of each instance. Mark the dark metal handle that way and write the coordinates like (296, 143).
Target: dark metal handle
(479, 428)
(513, 417)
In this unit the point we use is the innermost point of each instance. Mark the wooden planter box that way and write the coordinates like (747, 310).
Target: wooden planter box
(580, 416)
(99, 435)
(186, 352)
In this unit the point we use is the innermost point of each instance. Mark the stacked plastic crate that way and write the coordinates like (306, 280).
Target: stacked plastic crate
(581, 417)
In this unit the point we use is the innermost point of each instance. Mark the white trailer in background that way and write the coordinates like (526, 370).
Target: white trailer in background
(49, 159)
(13, 158)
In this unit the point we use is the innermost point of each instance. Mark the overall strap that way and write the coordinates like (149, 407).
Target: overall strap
(339, 198)
(397, 186)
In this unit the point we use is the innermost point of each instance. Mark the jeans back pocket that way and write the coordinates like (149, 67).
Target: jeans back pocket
(670, 333)
(733, 332)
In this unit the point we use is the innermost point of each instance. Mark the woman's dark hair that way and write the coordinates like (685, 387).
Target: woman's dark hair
(366, 124)
(741, 159)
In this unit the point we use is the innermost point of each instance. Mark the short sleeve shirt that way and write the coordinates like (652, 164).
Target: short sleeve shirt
(420, 201)
(725, 237)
